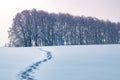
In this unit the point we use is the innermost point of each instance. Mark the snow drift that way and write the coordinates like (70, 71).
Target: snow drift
(86, 62)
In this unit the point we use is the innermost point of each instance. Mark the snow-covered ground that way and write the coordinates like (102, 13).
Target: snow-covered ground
(86, 62)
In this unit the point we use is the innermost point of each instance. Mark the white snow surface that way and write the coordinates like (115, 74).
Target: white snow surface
(84, 62)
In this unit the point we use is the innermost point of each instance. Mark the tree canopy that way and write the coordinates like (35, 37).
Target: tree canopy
(40, 28)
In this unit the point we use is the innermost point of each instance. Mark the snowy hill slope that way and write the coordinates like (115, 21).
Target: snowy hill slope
(88, 62)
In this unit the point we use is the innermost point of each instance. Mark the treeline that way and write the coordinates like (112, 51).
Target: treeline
(40, 28)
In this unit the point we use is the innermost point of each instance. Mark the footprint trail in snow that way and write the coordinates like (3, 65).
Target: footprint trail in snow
(27, 74)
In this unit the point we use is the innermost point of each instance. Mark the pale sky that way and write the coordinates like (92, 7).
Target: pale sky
(102, 9)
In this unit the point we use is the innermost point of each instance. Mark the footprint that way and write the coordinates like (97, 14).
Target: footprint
(27, 74)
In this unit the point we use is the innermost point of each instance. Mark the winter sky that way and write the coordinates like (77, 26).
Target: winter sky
(102, 9)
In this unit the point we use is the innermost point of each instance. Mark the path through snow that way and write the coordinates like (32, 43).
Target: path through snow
(27, 74)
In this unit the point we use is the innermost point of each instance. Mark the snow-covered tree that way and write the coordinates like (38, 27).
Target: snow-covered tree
(40, 28)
